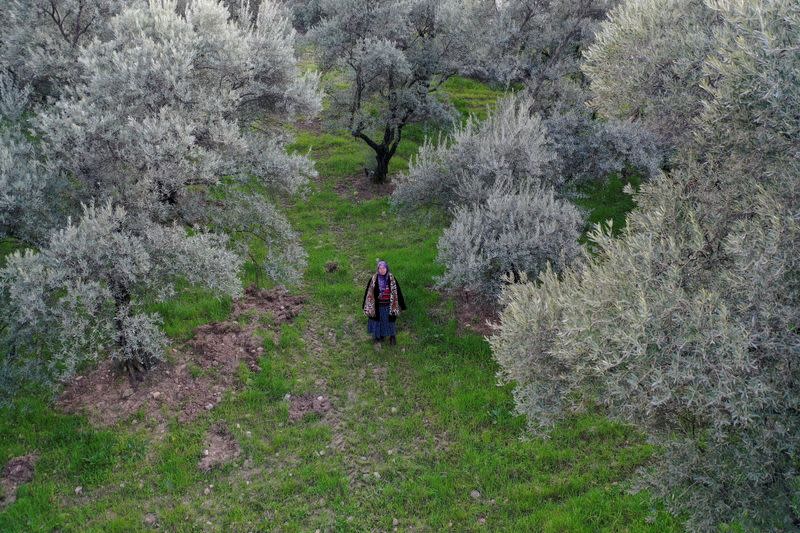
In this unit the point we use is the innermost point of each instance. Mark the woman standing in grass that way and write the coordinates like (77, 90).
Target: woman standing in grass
(383, 302)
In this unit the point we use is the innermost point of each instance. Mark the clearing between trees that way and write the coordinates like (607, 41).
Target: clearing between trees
(310, 427)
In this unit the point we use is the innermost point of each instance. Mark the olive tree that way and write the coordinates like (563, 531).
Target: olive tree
(164, 108)
(518, 228)
(41, 39)
(687, 325)
(538, 43)
(562, 151)
(647, 64)
(462, 167)
(395, 55)
(171, 103)
(82, 295)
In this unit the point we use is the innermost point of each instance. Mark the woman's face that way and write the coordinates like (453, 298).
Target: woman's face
(382, 270)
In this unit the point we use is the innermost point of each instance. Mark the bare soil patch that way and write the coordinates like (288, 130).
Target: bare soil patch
(302, 405)
(199, 373)
(18, 470)
(360, 188)
(310, 125)
(220, 447)
(473, 311)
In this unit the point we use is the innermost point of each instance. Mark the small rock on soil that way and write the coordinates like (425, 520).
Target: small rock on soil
(300, 406)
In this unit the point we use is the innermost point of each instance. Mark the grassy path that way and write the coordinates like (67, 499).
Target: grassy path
(419, 437)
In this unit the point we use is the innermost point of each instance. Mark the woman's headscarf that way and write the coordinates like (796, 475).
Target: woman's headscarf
(383, 280)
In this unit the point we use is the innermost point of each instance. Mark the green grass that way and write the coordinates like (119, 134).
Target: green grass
(607, 201)
(414, 428)
(338, 154)
(7, 247)
(470, 96)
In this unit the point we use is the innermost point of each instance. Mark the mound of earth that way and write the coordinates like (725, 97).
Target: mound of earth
(17, 471)
(220, 447)
(198, 374)
(302, 405)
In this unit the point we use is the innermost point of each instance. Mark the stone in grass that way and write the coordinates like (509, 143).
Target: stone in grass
(475, 495)
(150, 519)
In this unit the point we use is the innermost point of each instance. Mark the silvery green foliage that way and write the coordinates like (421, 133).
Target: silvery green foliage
(538, 43)
(518, 228)
(305, 13)
(246, 218)
(647, 64)
(698, 355)
(463, 168)
(14, 99)
(395, 53)
(173, 101)
(41, 39)
(162, 105)
(82, 295)
(687, 324)
(561, 151)
(27, 185)
(589, 150)
(757, 133)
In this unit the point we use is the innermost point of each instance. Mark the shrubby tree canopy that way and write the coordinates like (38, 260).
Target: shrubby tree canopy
(687, 325)
(157, 137)
(162, 109)
(518, 228)
(80, 296)
(40, 39)
(538, 43)
(168, 103)
(513, 145)
(501, 180)
(647, 64)
(27, 184)
(395, 54)
(463, 167)
(305, 13)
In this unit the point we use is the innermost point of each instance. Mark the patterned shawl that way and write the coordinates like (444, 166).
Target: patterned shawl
(369, 303)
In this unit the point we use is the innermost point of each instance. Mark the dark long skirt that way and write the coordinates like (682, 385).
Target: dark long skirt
(382, 327)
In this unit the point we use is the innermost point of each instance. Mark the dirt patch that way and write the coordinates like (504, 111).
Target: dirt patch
(220, 447)
(277, 302)
(300, 406)
(310, 125)
(359, 188)
(17, 471)
(473, 311)
(199, 373)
